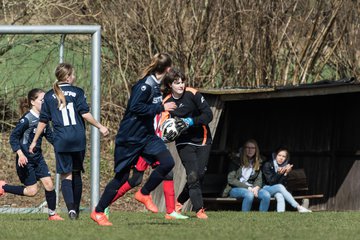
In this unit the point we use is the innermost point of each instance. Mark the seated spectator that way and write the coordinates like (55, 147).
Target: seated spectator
(275, 174)
(245, 178)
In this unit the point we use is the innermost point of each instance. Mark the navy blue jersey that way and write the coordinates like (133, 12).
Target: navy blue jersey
(144, 103)
(68, 124)
(192, 104)
(23, 134)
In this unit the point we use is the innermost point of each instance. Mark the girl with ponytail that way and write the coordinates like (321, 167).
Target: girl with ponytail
(136, 138)
(66, 107)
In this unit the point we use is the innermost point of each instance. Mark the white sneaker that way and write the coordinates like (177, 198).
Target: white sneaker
(301, 209)
(175, 215)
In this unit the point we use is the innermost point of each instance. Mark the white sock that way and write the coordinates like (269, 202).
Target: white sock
(51, 212)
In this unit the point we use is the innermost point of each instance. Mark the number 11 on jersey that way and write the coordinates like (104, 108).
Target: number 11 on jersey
(68, 114)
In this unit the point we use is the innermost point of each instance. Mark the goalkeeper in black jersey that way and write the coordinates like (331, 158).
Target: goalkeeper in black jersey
(193, 115)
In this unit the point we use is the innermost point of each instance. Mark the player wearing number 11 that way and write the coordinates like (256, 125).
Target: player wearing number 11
(66, 107)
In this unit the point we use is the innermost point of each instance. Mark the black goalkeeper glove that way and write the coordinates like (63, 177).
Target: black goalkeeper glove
(183, 123)
(170, 137)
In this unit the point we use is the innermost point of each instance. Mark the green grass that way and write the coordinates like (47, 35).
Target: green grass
(220, 225)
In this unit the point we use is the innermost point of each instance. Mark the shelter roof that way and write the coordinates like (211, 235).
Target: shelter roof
(326, 87)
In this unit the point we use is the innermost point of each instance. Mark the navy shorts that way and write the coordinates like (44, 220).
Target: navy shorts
(127, 153)
(32, 172)
(67, 162)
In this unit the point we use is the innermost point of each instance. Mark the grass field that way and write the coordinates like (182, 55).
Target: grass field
(220, 225)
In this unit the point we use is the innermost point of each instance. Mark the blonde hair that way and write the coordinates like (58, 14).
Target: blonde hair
(62, 72)
(245, 161)
(159, 63)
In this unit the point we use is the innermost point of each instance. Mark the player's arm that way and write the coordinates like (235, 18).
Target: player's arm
(139, 101)
(204, 118)
(15, 137)
(83, 109)
(90, 119)
(206, 114)
(49, 134)
(44, 118)
(39, 130)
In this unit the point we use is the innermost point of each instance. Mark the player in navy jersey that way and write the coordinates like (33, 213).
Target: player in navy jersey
(193, 115)
(66, 107)
(137, 176)
(136, 137)
(31, 167)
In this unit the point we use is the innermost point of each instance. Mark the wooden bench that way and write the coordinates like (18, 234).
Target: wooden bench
(214, 184)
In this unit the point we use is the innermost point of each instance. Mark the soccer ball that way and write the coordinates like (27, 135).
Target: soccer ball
(168, 129)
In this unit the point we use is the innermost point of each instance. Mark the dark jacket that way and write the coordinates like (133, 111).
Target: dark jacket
(270, 177)
(23, 134)
(138, 121)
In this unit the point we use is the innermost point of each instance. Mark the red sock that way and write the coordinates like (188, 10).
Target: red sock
(169, 194)
(122, 190)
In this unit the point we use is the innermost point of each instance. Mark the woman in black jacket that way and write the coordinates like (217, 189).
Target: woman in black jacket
(275, 175)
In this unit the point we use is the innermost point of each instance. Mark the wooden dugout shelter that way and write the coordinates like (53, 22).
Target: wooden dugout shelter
(319, 124)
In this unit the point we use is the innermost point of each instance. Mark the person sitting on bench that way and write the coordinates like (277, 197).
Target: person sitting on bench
(245, 180)
(275, 174)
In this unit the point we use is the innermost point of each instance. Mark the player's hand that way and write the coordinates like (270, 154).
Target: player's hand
(22, 160)
(104, 131)
(170, 106)
(183, 123)
(32, 147)
(180, 125)
(171, 136)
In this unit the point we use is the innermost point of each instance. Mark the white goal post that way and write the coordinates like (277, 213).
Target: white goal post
(95, 32)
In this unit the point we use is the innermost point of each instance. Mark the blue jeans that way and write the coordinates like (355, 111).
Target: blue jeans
(248, 197)
(281, 194)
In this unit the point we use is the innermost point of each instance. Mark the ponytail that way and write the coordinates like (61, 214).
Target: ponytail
(159, 63)
(23, 106)
(62, 72)
(59, 95)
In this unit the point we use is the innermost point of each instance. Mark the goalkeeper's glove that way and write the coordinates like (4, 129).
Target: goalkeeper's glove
(189, 121)
(183, 123)
(170, 137)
